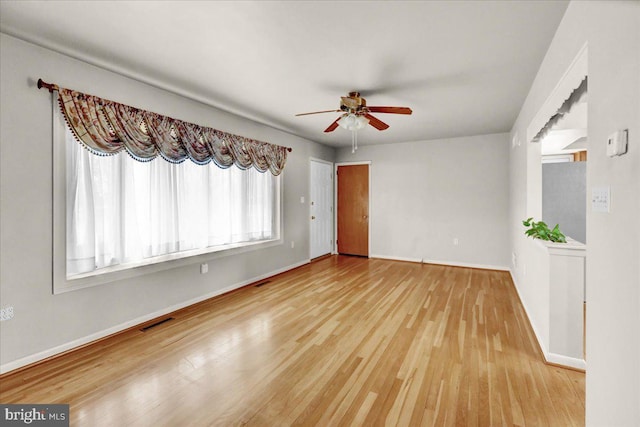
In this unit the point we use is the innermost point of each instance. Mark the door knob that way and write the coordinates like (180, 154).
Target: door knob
(313, 217)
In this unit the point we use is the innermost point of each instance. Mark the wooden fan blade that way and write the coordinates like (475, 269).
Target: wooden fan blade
(376, 123)
(332, 126)
(319, 112)
(392, 110)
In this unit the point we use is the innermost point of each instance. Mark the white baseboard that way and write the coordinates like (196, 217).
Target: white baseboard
(556, 359)
(541, 343)
(570, 362)
(395, 258)
(450, 263)
(34, 358)
(468, 265)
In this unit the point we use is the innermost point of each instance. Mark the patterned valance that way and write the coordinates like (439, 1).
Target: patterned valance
(106, 127)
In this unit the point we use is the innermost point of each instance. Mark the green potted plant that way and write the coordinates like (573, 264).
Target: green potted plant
(540, 230)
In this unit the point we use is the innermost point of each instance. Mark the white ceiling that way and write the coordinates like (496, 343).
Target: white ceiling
(464, 67)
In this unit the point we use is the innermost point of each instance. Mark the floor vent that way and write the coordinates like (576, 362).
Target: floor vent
(263, 283)
(158, 323)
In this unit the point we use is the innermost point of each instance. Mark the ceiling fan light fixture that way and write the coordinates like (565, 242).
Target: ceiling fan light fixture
(361, 122)
(352, 122)
(346, 121)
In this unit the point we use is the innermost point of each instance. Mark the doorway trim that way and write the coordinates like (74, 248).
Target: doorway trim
(570, 80)
(541, 309)
(577, 71)
(335, 202)
(333, 207)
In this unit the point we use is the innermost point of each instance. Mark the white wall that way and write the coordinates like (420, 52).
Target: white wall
(45, 323)
(424, 194)
(612, 31)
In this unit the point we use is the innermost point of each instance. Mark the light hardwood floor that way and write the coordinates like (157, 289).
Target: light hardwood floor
(343, 341)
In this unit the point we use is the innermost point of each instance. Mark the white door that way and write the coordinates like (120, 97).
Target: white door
(321, 208)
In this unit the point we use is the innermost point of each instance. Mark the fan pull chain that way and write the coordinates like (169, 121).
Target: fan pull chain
(354, 141)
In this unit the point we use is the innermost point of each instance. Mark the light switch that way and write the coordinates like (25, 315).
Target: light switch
(600, 197)
(301, 199)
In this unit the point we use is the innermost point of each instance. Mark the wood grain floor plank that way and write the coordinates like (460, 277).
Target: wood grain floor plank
(344, 341)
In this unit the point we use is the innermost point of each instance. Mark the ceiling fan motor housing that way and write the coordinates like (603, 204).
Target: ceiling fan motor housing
(353, 103)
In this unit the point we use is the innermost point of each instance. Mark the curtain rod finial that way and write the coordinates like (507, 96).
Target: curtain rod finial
(50, 86)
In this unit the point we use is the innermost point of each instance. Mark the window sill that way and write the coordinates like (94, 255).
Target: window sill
(153, 265)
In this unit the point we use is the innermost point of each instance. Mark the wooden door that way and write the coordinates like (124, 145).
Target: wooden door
(353, 210)
(321, 208)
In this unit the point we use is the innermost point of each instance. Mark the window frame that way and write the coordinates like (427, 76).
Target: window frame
(60, 282)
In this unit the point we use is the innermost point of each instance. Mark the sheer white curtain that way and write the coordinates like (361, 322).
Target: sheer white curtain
(121, 211)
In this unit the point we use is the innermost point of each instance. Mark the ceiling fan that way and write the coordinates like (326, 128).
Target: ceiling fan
(356, 114)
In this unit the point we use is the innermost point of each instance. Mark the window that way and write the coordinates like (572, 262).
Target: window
(114, 213)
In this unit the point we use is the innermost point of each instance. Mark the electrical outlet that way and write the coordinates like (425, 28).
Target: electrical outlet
(6, 313)
(292, 244)
(455, 241)
(204, 268)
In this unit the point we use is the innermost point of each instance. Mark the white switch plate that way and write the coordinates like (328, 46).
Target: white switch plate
(204, 268)
(600, 199)
(301, 199)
